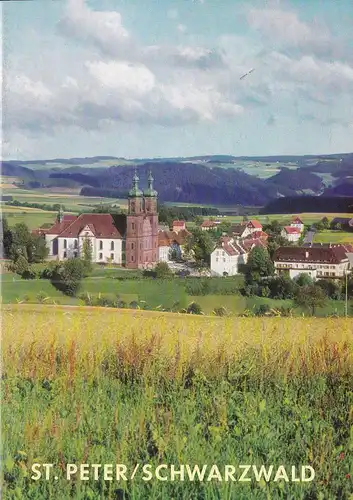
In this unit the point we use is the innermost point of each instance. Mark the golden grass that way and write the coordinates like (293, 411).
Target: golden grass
(33, 335)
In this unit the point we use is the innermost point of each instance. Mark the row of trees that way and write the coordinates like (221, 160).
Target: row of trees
(20, 244)
(42, 206)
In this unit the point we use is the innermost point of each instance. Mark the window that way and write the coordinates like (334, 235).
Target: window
(112, 256)
(76, 244)
(132, 246)
(75, 255)
(133, 226)
(65, 255)
(101, 245)
(100, 256)
(112, 245)
(216, 259)
(132, 258)
(224, 259)
(65, 243)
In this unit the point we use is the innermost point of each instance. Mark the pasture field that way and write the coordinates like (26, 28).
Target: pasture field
(72, 202)
(152, 294)
(86, 385)
(333, 237)
(307, 218)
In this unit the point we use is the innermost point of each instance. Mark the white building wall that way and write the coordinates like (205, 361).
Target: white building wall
(290, 237)
(163, 253)
(222, 263)
(104, 250)
(49, 239)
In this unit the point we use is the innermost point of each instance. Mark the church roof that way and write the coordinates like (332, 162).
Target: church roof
(102, 226)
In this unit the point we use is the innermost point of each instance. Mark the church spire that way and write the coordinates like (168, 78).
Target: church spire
(150, 191)
(135, 191)
(60, 214)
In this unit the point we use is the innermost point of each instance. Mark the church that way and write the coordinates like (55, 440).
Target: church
(128, 240)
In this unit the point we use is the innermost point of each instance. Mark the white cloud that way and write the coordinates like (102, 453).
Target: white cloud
(182, 28)
(125, 82)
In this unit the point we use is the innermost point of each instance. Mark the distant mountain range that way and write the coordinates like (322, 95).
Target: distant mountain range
(217, 180)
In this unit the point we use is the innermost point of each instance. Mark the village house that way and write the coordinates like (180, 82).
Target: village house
(230, 253)
(317, 262)
(130, 240)
(178, 225)
(245, 229)
(170, 244)
(291, 233)
(298, 223)
(209, 224)
(227, 257)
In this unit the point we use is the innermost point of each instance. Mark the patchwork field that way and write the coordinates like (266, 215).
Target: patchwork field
(333, 237)
(86, 385)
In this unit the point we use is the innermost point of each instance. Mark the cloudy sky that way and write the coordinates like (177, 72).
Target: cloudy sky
(149, 78)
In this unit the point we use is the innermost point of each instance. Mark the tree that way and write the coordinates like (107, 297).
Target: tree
(310, 297)
(37, 249)
(259, 265)
(6, 237)
(162, 270)
(21, 240)
(198, 220)
(21, 265)
(87, 253)
(201, 244)
(304, 279)
(67, 276)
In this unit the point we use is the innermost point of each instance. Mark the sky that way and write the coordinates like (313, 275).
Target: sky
(163, 78)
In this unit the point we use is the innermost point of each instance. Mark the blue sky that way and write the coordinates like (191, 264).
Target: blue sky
(137, 78)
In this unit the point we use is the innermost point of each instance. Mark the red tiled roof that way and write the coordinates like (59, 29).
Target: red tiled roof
(291, 230)
(69, 217)
(297, 220)
(249, 243)
(255, 223)
(166, 238)
(102, 225)
(59, 227)
(258, 234)
(334, 255)
(208, 223)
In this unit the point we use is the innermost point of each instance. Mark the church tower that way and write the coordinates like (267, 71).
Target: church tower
(141, 247)
(150, 197)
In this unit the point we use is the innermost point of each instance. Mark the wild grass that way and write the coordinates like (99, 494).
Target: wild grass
(91, 385)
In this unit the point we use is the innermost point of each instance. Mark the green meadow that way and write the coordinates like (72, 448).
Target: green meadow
(96, 386)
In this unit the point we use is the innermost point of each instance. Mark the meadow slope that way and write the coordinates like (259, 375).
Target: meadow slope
(92, 385)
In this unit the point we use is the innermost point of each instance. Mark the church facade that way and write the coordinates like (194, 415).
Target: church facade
(129, 240)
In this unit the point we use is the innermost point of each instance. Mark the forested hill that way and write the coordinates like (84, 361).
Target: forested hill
(212, 180)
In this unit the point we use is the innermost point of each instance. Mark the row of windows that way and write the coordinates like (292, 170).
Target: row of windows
(100, 255)
(100, 244)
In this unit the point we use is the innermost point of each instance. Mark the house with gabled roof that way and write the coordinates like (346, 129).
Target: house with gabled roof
(227, 257)
(297, 223)
(318, 262)
(291, 233)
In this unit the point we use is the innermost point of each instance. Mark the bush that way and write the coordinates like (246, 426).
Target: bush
(194, 308)
(41, 297)
(133, 305)
(21, 265)
(30, 274)
(220, 311)
(67, 277)
(262, 310)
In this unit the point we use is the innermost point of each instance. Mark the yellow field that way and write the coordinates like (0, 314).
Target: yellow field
(11, 208)
(32, 333)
